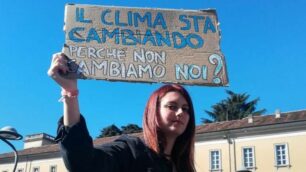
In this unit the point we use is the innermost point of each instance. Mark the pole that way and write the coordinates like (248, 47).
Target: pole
(15, 152)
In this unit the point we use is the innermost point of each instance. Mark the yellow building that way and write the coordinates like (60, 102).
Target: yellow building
(259, 143)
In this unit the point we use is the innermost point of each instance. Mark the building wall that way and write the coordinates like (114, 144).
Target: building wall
(202, 150)
(33, 144)
(44, 165)
(263, 150)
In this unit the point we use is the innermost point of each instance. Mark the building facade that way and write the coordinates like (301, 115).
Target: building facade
(259, 143)
(40, 154)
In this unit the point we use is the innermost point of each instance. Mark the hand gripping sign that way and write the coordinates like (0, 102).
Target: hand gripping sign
(144, 45)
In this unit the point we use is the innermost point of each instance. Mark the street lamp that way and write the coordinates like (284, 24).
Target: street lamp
(10, 133)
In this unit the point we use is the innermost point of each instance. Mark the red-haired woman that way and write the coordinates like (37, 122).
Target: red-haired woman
(168, 123)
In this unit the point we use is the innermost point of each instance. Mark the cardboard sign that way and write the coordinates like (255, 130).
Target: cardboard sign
(144, 45)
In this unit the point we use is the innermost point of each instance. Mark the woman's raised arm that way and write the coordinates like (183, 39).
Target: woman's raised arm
(69, 87)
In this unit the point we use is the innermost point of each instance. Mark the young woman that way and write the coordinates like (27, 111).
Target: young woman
(168, 128)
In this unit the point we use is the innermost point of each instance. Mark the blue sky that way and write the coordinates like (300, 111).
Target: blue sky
(263, 43)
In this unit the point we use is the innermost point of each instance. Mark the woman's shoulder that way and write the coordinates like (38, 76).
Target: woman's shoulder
(130, 139)
(134, 143)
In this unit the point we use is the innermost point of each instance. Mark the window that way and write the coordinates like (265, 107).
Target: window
(53, 168)
(281, 155)
(215, 160)
(35, 169)
(248, 157)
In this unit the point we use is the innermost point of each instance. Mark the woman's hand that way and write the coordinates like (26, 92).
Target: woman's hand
(58, 69)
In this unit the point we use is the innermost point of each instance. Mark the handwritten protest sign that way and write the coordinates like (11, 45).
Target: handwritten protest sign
(144, 45)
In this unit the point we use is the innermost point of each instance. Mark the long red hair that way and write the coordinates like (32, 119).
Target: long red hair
(183, 151)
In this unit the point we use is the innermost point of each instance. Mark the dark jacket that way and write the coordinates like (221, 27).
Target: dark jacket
(125, 154)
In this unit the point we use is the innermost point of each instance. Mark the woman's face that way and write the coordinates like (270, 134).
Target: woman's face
(174, 115)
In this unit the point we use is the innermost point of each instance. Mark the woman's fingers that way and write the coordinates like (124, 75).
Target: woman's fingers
(58, 65)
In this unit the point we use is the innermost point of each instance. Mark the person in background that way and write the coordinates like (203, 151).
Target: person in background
(168, 132)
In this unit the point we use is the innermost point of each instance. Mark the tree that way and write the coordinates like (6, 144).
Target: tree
(131, 128)
(111, 130)
(234, 107)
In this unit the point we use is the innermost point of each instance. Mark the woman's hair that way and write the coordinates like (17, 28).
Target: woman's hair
(183, 151)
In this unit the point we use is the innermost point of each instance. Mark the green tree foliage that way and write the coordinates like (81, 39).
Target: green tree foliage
(232, 108)
(113, 130)
(109, 131)
(131, 128)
